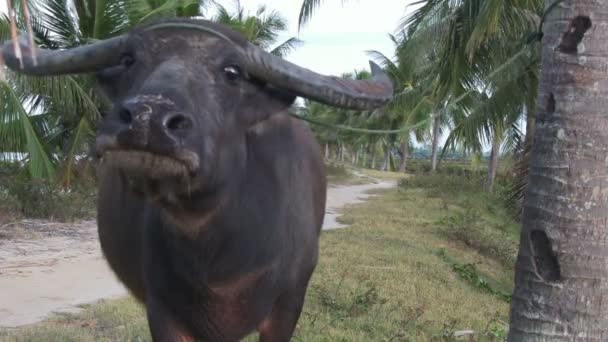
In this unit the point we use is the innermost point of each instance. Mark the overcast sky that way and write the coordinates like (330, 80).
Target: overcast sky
(336, 39)
(340, 32)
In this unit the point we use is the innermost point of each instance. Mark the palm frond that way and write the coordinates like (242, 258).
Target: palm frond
(286, 47)
(306, 10)
(22, 138)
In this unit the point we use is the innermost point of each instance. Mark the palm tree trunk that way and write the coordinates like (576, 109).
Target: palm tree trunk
(405, 150)
(436, 123)
(493, 162)
(387, 158)
(373, 146)
(561, 280)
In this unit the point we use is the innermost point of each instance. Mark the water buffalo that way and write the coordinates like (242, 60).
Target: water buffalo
(211, 199)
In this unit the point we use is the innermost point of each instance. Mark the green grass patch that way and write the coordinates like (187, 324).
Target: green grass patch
(381, 279)
(470, 274)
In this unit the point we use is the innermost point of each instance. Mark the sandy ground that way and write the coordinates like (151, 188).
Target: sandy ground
(63, 267)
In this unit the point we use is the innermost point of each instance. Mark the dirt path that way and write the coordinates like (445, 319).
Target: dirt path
(339, 196)
(64, 267)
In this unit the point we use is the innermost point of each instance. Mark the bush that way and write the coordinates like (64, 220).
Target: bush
(9, 205)
(43, 199)
(470, 227)
(446, 167)
(444, 185)
(21, 196)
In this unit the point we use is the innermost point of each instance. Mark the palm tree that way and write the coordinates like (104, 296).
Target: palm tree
(473, 46)
(51, 119)
(479, 47)
(262, 28)
(329, 125)
(562, 267)
(411, 104)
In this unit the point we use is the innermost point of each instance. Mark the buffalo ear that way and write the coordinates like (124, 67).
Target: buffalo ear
(266, 102)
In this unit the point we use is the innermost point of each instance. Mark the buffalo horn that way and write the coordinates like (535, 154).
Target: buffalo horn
(334, 91)
(86, 58)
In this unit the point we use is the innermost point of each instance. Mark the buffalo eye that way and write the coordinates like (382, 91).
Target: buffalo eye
(127, 60)
(232, 72)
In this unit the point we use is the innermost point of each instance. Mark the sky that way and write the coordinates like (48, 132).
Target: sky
(340, 32)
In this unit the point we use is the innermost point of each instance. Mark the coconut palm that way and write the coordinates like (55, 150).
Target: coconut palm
(328, 121)
(479, 47)
(472, 46)
(262, 28)
(411, 104)
(562, 267)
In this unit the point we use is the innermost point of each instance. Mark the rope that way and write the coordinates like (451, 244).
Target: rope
(360, 130)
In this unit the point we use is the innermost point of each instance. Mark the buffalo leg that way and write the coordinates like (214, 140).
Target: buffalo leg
(280, 324)
(162, 326)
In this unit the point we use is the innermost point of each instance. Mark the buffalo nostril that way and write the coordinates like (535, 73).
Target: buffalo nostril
(178, 122)
(125, 116)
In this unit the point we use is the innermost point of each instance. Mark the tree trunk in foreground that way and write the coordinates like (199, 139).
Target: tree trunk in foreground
(405, 149)
(561, 281)
(436, 123)
(493, 162)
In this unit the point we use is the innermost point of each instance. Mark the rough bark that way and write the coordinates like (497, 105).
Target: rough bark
(561, 281)
(405, 149)
(435, 151)
(493, 162)
(530, 126)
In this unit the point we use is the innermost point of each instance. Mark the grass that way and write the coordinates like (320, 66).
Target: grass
(401, 272)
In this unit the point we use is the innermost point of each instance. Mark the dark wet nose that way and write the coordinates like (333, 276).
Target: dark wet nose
(176, 124)
(152, 119)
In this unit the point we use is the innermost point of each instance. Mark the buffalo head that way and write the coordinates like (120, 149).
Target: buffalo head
(184, 93)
